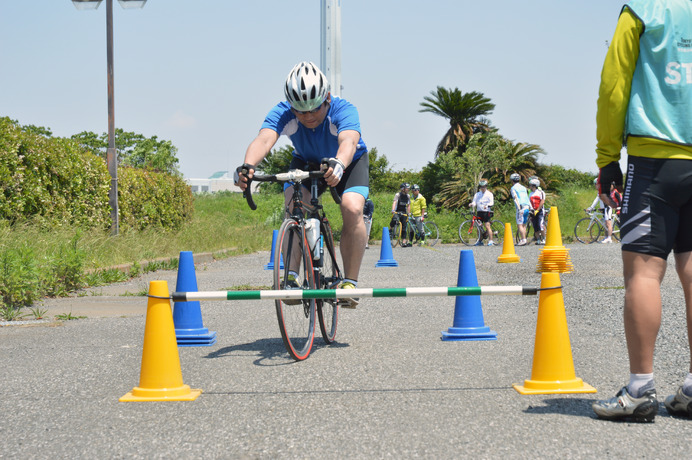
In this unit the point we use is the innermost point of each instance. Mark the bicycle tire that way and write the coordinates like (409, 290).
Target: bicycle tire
(583, 230)
(432, 233)
(616, 229)
(395, 234)
(498, 229)
(296, 317)
(329, 278)
(468, 233)
(517, 236)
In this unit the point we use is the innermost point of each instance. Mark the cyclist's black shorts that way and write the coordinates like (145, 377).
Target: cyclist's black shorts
(356, 177)
(485, 216)
(656, 214)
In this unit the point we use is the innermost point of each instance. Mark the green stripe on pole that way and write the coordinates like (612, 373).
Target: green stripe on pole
(243, 295)
(389, 292)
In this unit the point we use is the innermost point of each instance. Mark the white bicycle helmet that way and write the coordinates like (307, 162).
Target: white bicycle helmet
(482, 183)
(515, 177)
(306, 87)
(535, 182)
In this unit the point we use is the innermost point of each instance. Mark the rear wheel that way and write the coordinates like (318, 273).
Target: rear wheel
(329, 277)
(587, 230)
(296, 317)
(468, 233)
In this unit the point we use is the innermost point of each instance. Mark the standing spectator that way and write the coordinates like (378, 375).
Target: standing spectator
(520, 196)
(645, 100)
(368, 210)
(401, 208)
(537, 200)
(419, 211)
(483, 201)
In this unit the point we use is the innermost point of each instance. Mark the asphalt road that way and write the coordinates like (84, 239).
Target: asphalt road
(389, 387)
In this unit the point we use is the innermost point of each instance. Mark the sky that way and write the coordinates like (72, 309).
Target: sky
(203, 74)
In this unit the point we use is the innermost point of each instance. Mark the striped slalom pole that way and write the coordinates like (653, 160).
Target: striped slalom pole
(353, 293)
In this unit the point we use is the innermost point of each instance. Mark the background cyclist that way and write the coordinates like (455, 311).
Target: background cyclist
(419, 211)
(606, 209)
(483, 202)
(537, 199)
(401, 204)
(368, 211)
(320, 125)
(520, 196)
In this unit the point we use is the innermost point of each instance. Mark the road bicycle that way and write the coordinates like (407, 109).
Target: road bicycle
(411, 233)
(529, 227)
(306, 247)
(589, 229)
(472, 231)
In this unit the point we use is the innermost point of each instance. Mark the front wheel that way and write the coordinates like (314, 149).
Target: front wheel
(395, 234)
(329, 277)
(498, 229)
(296, 316)
(431, 232)
(468, 233)
(616, 229)
(586, 230)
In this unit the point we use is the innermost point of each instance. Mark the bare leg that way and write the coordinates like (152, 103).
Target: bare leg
(683, 264)
(643, 275)
(522, 231)
(489, 229)
(353, 234)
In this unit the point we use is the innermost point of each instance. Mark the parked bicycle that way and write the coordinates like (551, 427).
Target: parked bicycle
(398, 234)
(306, 247)
(472, 231)
(589, 229)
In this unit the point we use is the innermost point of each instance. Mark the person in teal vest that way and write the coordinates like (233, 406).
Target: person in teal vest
(644, 103)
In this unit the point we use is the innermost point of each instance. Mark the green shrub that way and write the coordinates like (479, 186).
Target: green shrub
(50, 181)
(149, 199)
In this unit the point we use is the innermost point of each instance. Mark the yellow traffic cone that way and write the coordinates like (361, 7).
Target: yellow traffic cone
(553, 367)
(508, 256)
(555, 256)
(160, 378)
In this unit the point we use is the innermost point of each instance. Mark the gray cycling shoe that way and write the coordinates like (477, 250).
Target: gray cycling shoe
(679, 404)
(626, 407)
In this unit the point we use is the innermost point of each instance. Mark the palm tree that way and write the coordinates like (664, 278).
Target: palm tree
(466, 114)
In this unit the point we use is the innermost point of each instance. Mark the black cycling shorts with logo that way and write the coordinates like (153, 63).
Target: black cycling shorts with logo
(656, 215)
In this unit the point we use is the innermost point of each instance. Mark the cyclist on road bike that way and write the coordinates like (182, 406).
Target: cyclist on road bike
(320, 125)
(483, 201)
(537, 199)
(419, 211)
(606, 209)
(401, 204)
(521, 202)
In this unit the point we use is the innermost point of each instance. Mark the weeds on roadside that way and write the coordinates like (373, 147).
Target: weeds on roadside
(68, 317)
(8, 313)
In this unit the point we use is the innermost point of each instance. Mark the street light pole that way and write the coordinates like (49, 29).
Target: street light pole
(111, 152)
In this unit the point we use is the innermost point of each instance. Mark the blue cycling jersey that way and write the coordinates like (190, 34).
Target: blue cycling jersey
(311, 145)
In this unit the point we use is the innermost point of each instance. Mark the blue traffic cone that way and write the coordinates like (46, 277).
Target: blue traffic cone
(386, 256)
(187, 316)
(270, 265)
(468, 315)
